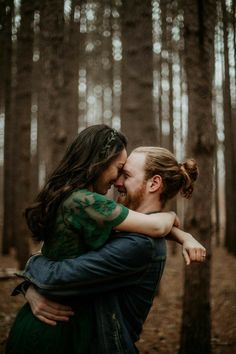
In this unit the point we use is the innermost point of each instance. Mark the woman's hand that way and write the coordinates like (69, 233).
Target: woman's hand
(46, 310)
(193, 251)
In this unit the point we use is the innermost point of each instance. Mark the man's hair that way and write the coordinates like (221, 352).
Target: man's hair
(176, 177)
(86, 158)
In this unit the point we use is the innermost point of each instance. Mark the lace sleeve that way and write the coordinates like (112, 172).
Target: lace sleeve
(93, 214)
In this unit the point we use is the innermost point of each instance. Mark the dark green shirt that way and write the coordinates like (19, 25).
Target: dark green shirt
(84, 222)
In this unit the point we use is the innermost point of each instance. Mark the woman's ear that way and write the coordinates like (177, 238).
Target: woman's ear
(155, 183)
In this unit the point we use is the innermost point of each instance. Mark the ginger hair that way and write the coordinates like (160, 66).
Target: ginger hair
(176, 177)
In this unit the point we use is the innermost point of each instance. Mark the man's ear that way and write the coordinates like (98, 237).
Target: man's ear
(155, 183)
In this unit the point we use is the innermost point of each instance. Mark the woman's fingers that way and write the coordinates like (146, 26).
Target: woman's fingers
(195, 251)
(186, 257)
(197, 254)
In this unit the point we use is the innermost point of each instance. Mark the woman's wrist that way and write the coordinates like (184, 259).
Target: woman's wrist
(179, 235)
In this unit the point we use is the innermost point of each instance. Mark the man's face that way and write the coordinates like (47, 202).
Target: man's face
(131, 185)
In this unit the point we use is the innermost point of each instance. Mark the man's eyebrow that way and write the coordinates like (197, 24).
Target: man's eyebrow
(126, 171)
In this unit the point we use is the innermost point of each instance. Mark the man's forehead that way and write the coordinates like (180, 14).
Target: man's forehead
(135, 161)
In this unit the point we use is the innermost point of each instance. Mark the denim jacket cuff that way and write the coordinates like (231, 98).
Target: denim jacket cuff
(21, 288)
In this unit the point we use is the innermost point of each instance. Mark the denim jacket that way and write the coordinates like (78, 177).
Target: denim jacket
(123, 276)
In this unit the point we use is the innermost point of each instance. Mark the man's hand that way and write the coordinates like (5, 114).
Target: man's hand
(46, 310)
(193, 251)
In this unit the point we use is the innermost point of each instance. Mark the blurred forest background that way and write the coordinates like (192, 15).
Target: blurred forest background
(162, 71)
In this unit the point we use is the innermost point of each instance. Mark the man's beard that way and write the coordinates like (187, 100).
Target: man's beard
(133, 201)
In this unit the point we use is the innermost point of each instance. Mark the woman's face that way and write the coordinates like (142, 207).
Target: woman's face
(110, 175)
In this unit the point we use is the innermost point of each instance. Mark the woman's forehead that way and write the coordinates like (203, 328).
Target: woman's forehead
(122, 158)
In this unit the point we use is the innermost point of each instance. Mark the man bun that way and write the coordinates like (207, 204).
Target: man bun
(189, 171)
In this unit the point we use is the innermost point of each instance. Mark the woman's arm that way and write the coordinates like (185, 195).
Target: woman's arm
(192, 249)
(98, 215)
(154, 225)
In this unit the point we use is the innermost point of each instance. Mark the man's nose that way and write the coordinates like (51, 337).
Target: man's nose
(119, 181)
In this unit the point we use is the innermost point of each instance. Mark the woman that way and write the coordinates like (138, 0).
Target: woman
(72, 216)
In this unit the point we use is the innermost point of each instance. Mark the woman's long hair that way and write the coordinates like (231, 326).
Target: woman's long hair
(85, 159)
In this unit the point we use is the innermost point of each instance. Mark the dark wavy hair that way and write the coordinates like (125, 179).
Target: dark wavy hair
(86, 158)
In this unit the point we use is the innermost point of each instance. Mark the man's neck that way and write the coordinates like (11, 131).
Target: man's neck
(148, 206)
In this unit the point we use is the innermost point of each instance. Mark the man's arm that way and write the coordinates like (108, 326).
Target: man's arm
(128, 263)
(119, 263)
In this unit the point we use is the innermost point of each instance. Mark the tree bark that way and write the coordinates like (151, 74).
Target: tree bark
(71, 73)
(8, 191)
(137, 118)
(52, 122)
(2, 49)
(199, 20)
(107, 61)
(23, 125)
(230, 146)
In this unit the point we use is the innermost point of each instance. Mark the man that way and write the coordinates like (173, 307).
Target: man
(122, 276)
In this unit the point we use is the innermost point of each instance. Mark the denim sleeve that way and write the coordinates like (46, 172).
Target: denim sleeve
(121, 262)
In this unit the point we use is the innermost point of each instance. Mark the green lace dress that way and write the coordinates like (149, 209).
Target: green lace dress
(84, 222)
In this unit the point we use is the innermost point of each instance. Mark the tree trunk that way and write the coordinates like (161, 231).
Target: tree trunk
(52, 122)
(234, 34)
(2, 50)
(199, 19)
(94, 65)
(107, 62)
(216, 199)
(23, 124)
(71, 73)
(230, 146)
(8, 191)
(36, 77)
(116, 65)
(137, 118)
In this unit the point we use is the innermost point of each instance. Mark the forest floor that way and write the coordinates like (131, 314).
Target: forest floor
(162, 327)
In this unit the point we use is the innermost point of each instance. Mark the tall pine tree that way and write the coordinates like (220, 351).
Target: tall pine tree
(23, 127)
(137, 118)
(199, 22)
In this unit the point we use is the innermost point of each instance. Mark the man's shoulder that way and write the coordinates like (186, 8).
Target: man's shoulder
(137, 250)
(132, 242)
